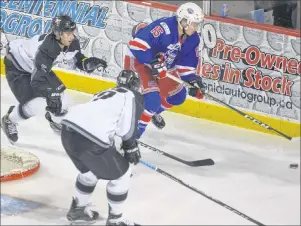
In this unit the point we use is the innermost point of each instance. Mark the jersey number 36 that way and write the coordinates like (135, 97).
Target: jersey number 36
(107, 94)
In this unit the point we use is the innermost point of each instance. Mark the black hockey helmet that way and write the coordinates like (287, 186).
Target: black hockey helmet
(129, 79)
(63, 24)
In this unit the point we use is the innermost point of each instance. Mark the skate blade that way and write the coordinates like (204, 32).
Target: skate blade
(10, 141)
(56, 129)
(82, 222)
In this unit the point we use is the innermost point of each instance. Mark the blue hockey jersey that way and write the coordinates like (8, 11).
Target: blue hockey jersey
(161, 36)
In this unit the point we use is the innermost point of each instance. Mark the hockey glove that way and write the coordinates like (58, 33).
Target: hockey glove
(158, 66)
(54, 103)
(92, 63)
(197, 92)
(132, 153)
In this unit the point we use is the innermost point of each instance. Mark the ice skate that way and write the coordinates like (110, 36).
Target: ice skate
(158, 121)
(81, 214)
(9, 128)
(115, 220)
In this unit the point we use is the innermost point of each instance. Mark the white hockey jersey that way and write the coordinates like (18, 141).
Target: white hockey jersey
(109, 113)
(22, 52)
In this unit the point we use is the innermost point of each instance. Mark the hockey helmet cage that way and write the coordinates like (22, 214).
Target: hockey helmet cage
(129, 79)
(63, 24)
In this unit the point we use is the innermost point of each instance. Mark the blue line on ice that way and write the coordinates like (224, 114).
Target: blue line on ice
(12, 206)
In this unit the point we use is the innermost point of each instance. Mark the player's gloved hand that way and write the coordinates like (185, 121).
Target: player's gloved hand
(131, 153)
(158, 66)
(54, 103)
(92, 63)
(195, 92)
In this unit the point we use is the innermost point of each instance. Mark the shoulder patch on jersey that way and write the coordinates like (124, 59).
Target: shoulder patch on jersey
(165, 27)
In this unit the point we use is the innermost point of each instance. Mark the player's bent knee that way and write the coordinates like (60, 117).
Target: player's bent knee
(122, 183)
(88, 178)
(33, 107)
(86, 182)
(178, 98)
(152, 101)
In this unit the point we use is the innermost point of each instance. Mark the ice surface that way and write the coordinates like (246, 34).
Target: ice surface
(251, 174)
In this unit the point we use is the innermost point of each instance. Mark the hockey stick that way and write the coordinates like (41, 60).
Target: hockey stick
(196, 163)
(199, 192)
(56, 127)
(232, 108)
(203, 162)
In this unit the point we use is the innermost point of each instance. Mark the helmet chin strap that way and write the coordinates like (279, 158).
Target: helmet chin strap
(184, 35)
(60, 41)
(60, 38)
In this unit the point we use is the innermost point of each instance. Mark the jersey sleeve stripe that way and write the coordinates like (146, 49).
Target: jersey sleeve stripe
(139, 44)
(184, 67)
(186, 73)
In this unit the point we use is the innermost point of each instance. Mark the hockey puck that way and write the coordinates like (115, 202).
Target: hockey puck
(294, 166)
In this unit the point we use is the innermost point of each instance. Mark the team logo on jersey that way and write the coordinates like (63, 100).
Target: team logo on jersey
(171, 54)
(83, 42)
(151, 83)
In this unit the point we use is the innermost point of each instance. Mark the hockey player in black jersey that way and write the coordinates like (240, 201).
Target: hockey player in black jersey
(28, 65)
(88, 132)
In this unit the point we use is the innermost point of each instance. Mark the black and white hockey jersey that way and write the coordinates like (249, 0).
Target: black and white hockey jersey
(109, 113)
(38, 55)
(27, 54)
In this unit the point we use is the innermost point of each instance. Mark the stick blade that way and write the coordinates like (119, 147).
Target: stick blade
(296, 139)
(203, 162)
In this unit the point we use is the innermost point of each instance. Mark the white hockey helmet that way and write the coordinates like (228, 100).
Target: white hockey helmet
(191, 12)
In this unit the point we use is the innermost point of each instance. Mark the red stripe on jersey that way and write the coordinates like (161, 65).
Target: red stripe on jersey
(138, 45)
(183, 70)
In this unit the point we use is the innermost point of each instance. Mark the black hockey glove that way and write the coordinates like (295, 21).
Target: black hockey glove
(158, 66)
(54, 103)
(92, 63)
(195, 92)
(132, 153)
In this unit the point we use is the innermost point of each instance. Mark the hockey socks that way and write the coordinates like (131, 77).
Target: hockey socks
(143, 122)
(84, 187)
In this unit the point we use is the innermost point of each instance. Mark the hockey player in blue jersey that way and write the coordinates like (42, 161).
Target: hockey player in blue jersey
(167, 45)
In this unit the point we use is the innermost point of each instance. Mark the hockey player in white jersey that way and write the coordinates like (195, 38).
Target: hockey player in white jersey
(28, 65)
(88, 132)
